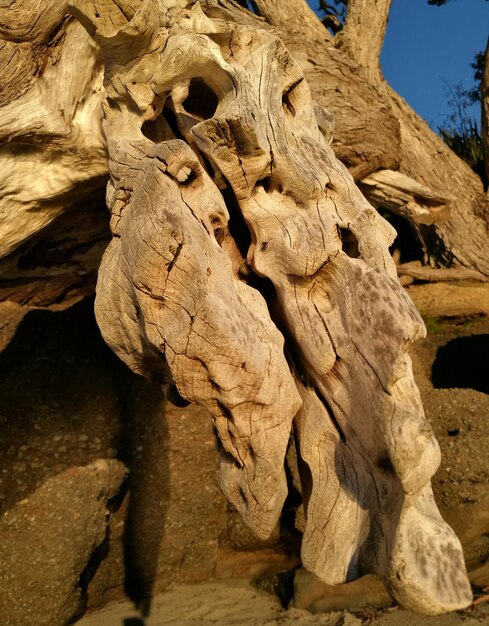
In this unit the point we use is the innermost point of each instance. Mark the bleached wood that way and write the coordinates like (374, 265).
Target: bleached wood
(386, 133)
(168, 299)
(364, 31)
(53, 151)
(235, 227)
(430, 274)
(405, 197)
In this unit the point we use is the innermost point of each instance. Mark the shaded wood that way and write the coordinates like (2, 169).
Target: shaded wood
(58, 266)
(52, 150)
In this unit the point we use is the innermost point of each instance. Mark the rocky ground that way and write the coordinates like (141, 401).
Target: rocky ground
(74, 423)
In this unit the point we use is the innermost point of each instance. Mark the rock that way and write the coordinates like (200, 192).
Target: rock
(11, 314)
(65, 401)
(48, 539)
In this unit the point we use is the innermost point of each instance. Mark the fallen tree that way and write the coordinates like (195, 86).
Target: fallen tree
(54, 155)
(246, 269)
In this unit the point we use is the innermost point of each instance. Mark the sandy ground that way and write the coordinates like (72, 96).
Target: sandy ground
(236, 603)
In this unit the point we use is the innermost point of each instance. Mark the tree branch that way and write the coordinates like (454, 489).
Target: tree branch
(429, 274)
(406, 197)
(363, 33)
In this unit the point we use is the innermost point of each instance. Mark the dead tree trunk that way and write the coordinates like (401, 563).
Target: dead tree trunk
(247, 270)
(54, 154)
(344, 76)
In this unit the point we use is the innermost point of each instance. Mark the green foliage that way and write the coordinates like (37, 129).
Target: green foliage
(431, 323)
(460, 131)
(478, 66)
(466, 144)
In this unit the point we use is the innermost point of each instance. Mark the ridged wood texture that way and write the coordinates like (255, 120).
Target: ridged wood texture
(248, 271)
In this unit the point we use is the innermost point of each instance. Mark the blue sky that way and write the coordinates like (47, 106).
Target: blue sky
(426, 45)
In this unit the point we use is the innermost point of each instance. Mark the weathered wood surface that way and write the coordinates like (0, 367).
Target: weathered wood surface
(53, 153)
(385, 133)
(420, 272)
(247, 270)
(363, 33)
(405, 197)
(52, 149)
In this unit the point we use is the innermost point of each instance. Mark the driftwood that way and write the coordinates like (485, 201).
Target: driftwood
(53, 151)
(430, 274)
(405, 197)
(248, 271)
